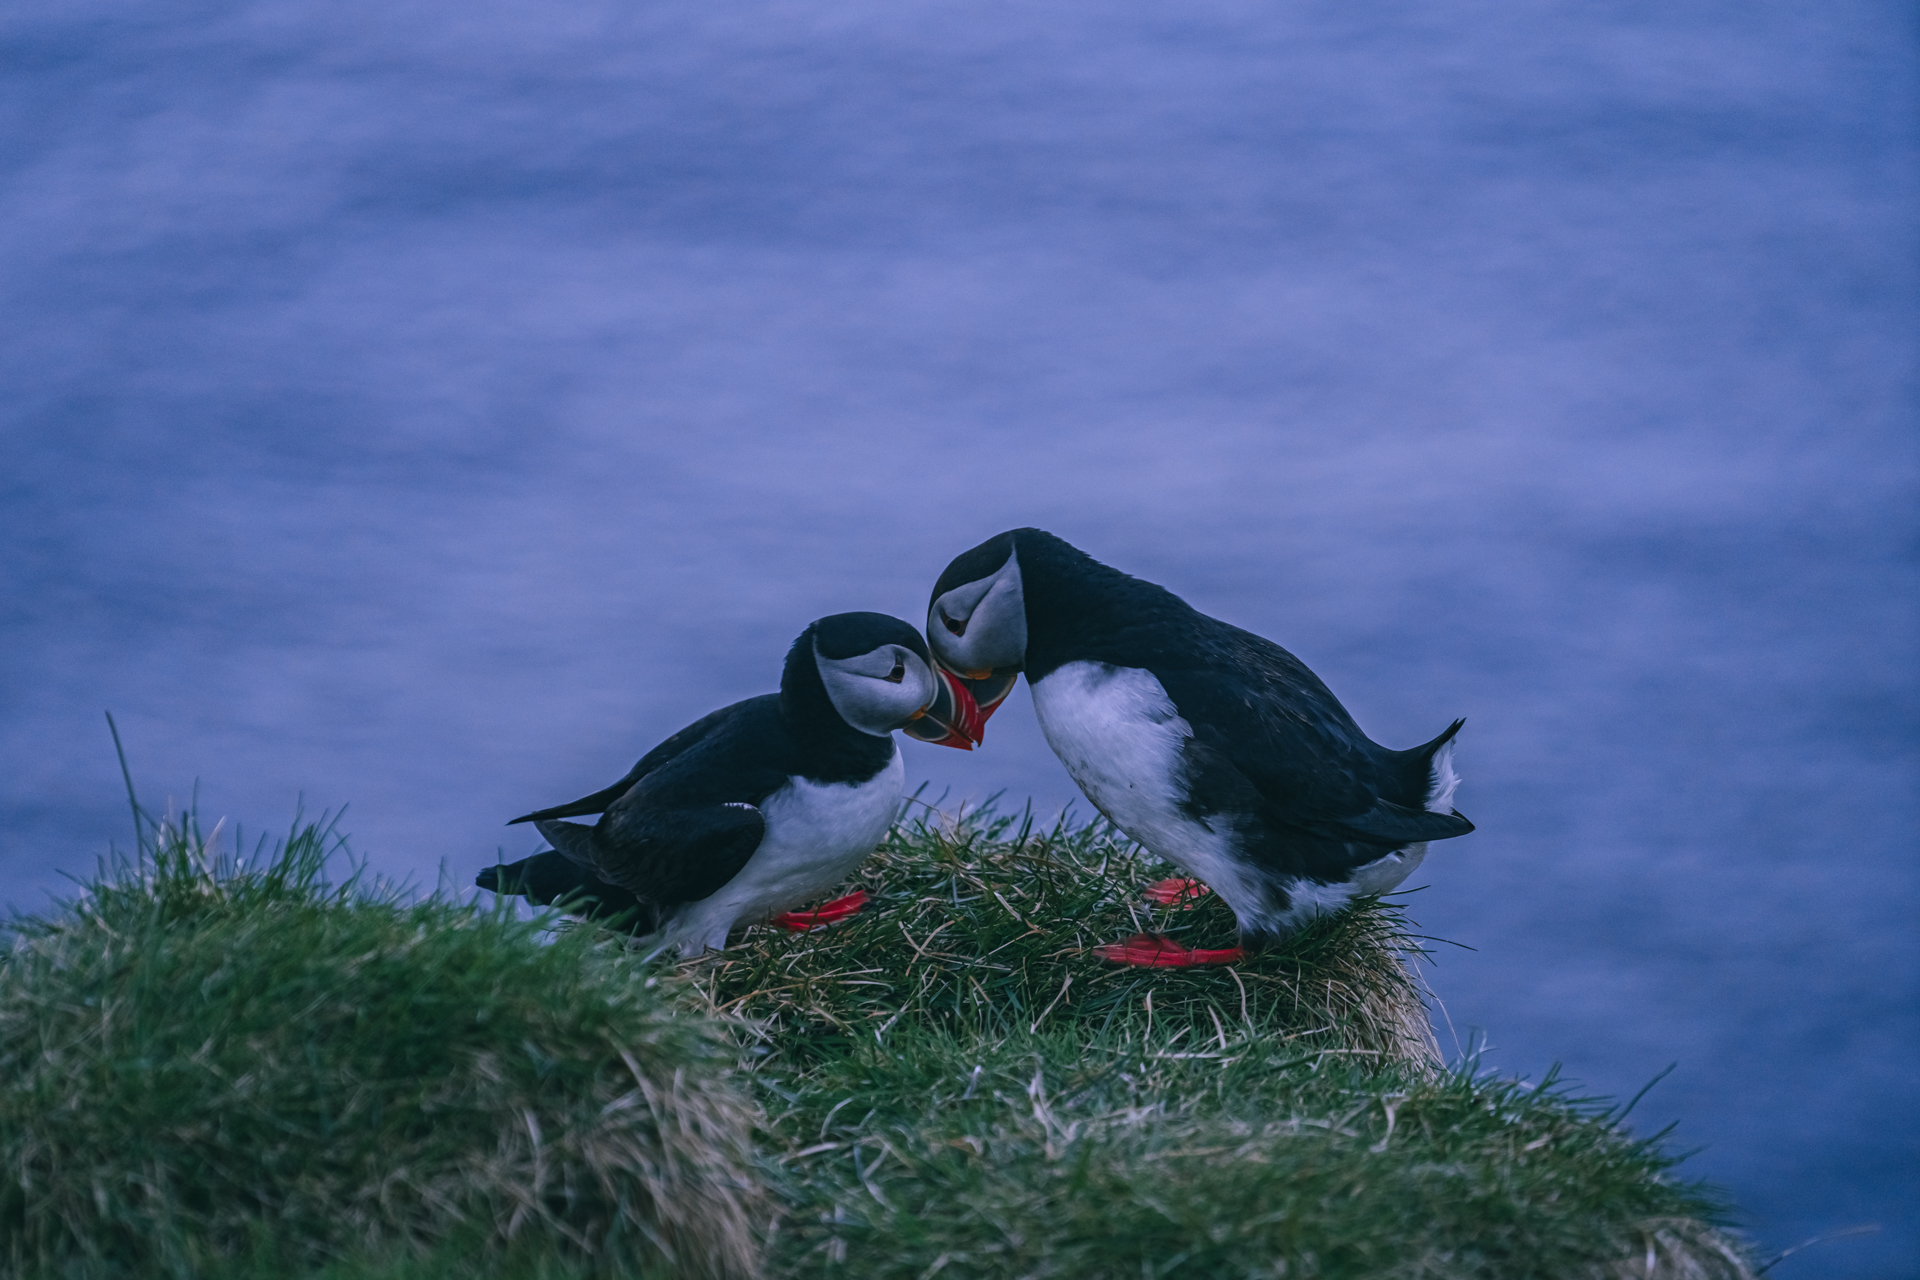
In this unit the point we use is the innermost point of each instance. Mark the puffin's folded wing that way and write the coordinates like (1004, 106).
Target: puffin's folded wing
(602, 800)
(1278, 746)
(1297, 757)
(570, 840)
(676, 854)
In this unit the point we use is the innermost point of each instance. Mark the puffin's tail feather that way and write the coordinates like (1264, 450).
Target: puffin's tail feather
(1427, 779)
(584, 806)
(543, 878)
(552, 879)
(1440, 778)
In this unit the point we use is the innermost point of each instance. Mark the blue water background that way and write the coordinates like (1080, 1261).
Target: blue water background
(428, 406)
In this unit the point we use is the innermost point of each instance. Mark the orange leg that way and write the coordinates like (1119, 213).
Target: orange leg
(825, 914)
(1151, 951)
(1178, 891)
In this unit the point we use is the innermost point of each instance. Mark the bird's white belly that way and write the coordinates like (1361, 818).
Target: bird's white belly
(1120, 737)
(817, 834)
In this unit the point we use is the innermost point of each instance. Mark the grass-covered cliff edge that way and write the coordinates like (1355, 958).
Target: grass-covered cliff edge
(211, 1069)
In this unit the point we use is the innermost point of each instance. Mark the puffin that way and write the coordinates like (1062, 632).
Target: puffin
(1213, 748)
(759, 806)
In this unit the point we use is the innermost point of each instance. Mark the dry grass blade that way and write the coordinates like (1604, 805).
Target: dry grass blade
(1676, 1249)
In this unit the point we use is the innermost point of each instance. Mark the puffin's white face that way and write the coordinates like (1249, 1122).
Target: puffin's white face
(878, 691)
(982, 625)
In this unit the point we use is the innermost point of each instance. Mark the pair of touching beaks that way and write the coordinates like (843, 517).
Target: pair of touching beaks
(957, 716)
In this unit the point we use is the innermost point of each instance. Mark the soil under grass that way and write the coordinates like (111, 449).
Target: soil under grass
(221, 1071)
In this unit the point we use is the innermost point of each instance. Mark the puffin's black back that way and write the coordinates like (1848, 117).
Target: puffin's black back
(1245, 696)
(753, 749)
(745, 752)
(673, 830)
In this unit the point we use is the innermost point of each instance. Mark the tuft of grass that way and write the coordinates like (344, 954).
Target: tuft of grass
(208, 1066)
(1048, 1155)
(984, 927)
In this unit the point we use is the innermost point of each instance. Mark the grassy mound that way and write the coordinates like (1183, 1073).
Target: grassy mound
(984, 929)
(245, 1072)
(204, 1068)
(956, 1086)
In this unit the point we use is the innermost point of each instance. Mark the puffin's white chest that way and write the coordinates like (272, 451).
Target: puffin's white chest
(1120, 737)
(817, 834)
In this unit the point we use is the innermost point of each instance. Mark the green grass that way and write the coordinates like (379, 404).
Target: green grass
(248, 1071)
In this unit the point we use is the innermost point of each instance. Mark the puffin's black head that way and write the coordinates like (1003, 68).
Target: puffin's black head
(849, 635)
(876, 673)
(977, 618)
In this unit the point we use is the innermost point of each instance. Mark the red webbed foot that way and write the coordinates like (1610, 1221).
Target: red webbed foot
(1177, 892)
(825, 914)
(1151, 951)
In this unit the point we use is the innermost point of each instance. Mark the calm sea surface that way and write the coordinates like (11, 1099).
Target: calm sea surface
(427, 406)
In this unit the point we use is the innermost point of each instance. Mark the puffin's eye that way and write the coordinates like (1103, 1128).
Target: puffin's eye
(958, 628)
(898, 673)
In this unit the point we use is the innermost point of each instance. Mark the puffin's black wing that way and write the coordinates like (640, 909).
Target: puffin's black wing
(1285, 749)
(601, 801)
(667, 854)
(690, 820)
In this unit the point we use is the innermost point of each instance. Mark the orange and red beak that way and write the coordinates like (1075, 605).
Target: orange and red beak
(953, 718)
(957, 717)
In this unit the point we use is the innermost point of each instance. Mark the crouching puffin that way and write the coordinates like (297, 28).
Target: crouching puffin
(1212, 747)
(759, 806)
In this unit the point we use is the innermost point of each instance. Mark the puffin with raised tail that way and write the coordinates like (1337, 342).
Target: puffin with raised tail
(1212, 747)
(760, 806)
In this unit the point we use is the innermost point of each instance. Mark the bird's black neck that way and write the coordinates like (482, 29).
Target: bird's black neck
(1080, 610)
(828, 748)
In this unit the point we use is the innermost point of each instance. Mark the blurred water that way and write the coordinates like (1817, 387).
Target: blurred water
(429, 406)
